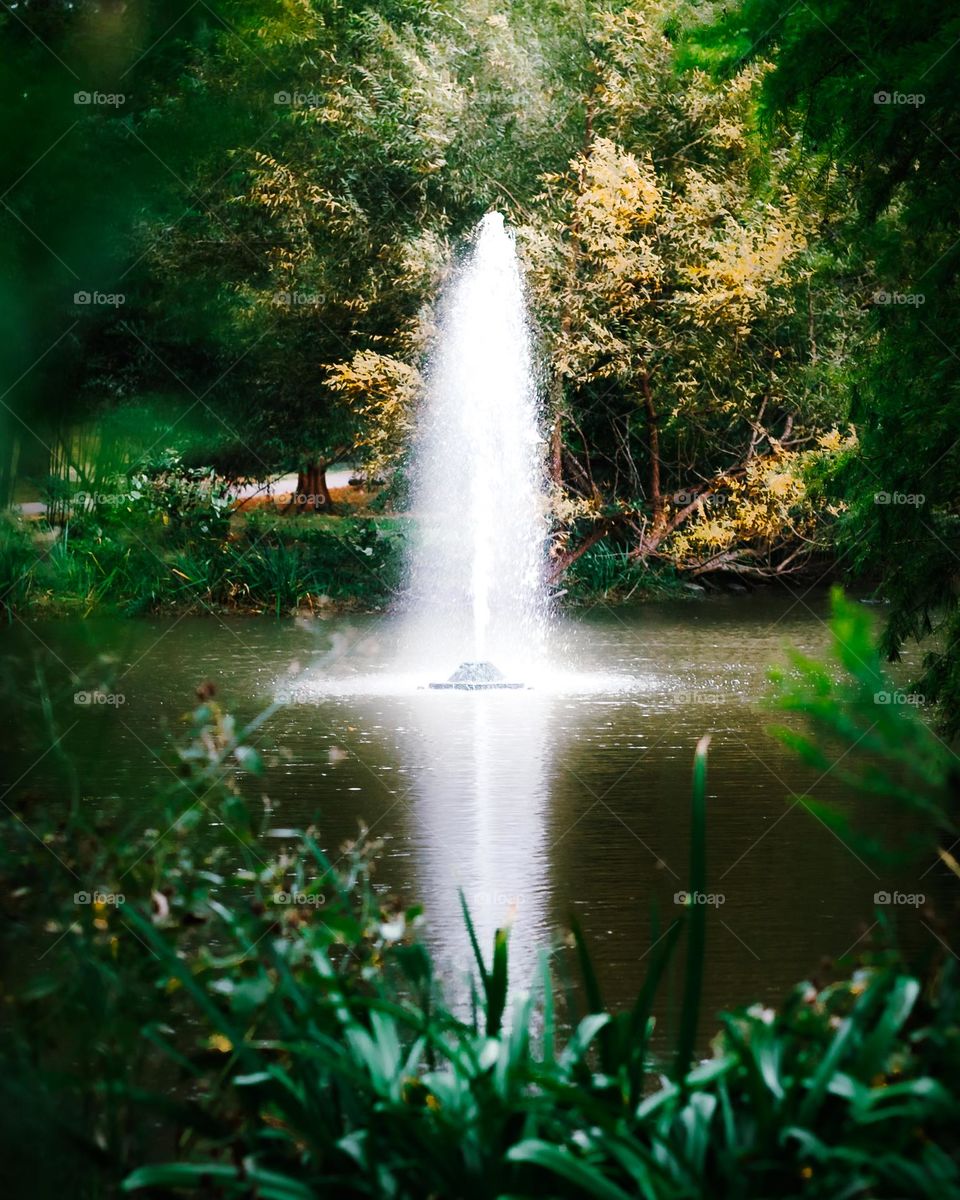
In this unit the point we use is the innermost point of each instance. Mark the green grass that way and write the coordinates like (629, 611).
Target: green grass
(138, 563)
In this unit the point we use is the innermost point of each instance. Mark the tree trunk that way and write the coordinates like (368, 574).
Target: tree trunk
(653, 433)
(312, 494)
(556, 450)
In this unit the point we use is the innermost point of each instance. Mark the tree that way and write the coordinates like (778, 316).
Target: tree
(666, 279)
(327, 215)
(874, 93)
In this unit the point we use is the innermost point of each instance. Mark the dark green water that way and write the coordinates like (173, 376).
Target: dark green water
(569, 798)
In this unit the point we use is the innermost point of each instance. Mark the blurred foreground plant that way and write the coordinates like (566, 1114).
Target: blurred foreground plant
(869, 734)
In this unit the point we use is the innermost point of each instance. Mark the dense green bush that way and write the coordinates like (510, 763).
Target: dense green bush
(18, 557)
(608, 571)
(168, 541)
(342, 557)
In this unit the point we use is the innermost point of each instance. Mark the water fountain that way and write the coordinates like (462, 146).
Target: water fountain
(476, 613)
(476, 576)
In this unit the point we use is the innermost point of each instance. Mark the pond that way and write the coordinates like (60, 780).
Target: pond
(566, 799)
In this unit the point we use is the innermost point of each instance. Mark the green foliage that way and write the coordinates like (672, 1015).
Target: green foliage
(872, 91)
(285, 182)
(610, 571)
(168, 542)
(18, 558)
(868, 733)
(344, 558)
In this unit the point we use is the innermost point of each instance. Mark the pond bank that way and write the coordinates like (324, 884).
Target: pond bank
(262, 561)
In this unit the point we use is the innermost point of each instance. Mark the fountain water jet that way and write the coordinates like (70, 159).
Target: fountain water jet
(477, 572)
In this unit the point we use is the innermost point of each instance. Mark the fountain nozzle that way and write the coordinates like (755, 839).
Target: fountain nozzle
(476, 677)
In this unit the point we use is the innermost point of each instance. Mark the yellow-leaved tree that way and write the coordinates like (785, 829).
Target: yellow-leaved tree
(659, 275)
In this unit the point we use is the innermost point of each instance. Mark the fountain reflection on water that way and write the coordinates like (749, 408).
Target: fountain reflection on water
(479, 804)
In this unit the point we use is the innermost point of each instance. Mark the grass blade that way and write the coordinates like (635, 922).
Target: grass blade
(696, 937)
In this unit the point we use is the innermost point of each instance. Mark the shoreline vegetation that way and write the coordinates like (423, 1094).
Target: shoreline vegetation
(177, 540)
(285, 567)
(246, 1017)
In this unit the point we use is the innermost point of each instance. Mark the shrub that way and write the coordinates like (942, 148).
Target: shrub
(607, 571)
(165, 540)
(340, 557)
(18, 557)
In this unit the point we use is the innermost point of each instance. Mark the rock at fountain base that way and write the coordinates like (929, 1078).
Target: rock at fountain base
(476, 677)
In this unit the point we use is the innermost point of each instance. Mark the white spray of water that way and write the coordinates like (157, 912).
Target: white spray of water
(477, 571)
